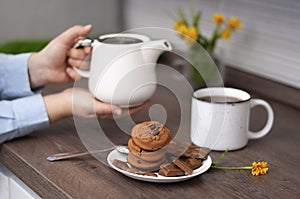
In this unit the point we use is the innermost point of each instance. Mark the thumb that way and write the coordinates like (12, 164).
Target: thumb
(73, 33)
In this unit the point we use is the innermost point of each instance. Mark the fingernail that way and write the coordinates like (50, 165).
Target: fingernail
(87, 26)
(117, 111)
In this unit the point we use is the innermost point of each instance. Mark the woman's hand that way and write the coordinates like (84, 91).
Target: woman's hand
(76, 101)
(53, 63)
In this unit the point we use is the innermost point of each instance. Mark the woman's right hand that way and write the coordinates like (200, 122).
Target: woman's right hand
(79, 102)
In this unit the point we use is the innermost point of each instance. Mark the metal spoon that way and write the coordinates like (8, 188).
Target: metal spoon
(63, 156)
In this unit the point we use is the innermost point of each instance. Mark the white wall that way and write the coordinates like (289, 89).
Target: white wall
(39, 19)
(268, 44)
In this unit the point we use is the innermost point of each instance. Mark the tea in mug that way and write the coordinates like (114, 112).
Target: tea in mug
(219, 99)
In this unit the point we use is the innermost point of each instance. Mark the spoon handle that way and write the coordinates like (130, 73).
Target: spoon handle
(63, 156)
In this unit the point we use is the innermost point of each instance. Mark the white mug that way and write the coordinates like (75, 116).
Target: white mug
(220, 118)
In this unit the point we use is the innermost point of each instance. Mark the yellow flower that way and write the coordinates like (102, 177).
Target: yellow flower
(259, 168)
(178, 24)
(192, 32)
(226, 33)
(218, 18)
(190, 35)
(234, 23)
(182, 30)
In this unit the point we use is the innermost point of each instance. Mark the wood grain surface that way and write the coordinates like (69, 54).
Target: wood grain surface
(86, 177)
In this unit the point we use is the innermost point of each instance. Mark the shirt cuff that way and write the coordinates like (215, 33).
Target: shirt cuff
(16, 77)
(30, 114)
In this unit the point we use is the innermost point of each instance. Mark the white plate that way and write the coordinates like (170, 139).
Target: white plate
(161, 179)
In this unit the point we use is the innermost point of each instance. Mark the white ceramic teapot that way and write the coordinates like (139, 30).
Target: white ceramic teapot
(122, 67)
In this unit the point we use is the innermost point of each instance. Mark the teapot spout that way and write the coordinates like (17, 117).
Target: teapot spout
(152, 50)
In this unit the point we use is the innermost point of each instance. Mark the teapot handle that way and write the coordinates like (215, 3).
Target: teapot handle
(83, 43)
(80, 44)
(82, 73)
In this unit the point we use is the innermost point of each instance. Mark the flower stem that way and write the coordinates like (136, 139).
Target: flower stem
(213, 40)
(220, 158)
(232, 168)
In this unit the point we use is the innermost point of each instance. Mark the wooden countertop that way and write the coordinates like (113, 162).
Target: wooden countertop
(86, 177)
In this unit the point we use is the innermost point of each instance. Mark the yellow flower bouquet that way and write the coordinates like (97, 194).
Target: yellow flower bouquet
(190, 31)
(204, 71)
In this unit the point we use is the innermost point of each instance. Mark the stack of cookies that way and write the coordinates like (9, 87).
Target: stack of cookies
(146, 145)
(151, 152)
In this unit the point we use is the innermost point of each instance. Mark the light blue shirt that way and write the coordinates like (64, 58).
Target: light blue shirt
(21, 109)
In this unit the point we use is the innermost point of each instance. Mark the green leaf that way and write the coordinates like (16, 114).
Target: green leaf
(182, 16)
(196, 19)
(203, 41)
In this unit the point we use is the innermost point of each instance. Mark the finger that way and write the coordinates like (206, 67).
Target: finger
(87, 50)
(76, 63)
(84, 65)
(102, 108)
(73, 74)
(77, 53)
(73, 33)
(140, 107)
(127, 112)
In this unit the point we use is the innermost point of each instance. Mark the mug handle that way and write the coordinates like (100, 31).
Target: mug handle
(83, 43)
(269, 123)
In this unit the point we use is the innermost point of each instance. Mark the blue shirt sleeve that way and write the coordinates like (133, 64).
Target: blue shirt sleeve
(22, 116)
(21, 110)
(14, 81)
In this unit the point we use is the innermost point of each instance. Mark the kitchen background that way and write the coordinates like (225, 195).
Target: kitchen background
(268, 44)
